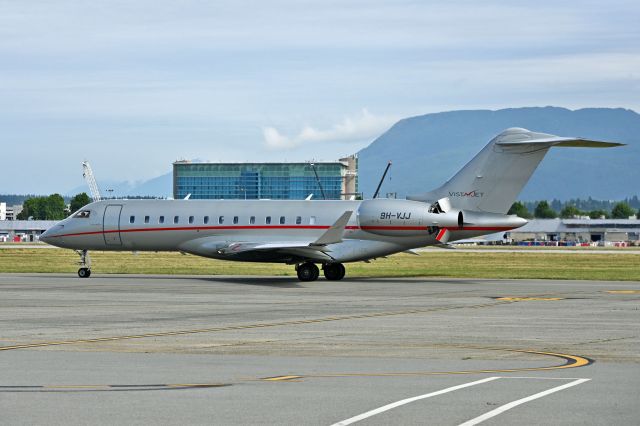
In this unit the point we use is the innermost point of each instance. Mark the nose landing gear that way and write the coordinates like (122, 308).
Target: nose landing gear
(85, 264)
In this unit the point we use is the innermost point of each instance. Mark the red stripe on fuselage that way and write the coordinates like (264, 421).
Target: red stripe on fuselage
(244, 227)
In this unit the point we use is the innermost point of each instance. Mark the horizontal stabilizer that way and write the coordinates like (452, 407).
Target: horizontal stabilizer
(519, 137)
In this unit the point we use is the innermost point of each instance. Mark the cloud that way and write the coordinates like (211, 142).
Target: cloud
(351, 129)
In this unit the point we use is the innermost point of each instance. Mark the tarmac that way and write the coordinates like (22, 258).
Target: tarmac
(140, 349)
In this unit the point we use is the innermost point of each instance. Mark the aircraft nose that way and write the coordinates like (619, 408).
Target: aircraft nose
(47, 236)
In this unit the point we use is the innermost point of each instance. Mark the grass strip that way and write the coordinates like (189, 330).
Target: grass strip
(447, 263)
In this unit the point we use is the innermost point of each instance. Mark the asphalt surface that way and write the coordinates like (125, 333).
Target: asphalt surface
(263, 350)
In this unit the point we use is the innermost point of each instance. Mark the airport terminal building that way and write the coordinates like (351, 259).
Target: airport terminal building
(18, 231)
(601, 231)
(276, 181)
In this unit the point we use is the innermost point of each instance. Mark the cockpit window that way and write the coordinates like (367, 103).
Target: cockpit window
(82, 214)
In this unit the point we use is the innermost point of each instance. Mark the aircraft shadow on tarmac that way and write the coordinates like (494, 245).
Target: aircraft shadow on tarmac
(286, 282)
(291, 282)
(282, 281)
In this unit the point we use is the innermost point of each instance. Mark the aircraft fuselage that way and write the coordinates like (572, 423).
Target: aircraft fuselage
(203, 227)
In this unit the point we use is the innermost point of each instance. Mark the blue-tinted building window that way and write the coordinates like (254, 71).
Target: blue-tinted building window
(257, 181)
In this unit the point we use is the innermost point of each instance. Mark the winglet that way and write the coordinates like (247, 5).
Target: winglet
(334, 234)
(443, 236)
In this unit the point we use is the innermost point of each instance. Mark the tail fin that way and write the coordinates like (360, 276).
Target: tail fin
(492, 180)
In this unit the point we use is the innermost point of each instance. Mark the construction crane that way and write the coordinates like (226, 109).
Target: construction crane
(87, 173)
(382, 180)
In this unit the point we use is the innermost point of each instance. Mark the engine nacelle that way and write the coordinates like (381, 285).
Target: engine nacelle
(404, 218)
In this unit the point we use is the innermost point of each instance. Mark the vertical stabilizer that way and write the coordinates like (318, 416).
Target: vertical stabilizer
(494, 178)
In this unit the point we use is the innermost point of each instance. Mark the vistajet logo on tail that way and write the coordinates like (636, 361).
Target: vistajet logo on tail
(470, 194)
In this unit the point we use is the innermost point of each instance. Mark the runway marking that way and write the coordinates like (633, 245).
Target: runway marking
(524, 299)
(623, 291)
(250, 326)
(280, 378)
(571, 361)
(517, 402)
(108, 388)
(540, 378)
(410, 400)
(475, 420)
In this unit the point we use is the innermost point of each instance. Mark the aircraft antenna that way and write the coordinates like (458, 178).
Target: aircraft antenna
(87, 173)
(313, 166)
(375, 195)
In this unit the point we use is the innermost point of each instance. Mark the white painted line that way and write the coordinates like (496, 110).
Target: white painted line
(409, 400)
(513, 404)
(541, 378)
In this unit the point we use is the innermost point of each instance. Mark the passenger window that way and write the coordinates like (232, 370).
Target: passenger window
(190, 219)
(312, 220)
(298, 220)
(252, 220)
(176, 219)
(132, 219)
(146, 219)
(235, 220)
(221, 220)
(282, 220)
(206, 220)
(161, 219)
(268, 220)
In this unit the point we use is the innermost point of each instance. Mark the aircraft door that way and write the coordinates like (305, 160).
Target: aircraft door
(111, 225)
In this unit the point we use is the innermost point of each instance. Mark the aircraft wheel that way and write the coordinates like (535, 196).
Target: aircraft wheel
(84, 272)
(334, 271)
(308, 272)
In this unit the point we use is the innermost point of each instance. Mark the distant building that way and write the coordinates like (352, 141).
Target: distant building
(13, 212)
(276, 181)
(603, 231)
(3, 211)
(23, 230)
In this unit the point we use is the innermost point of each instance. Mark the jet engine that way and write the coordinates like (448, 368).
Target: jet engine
(405, 218)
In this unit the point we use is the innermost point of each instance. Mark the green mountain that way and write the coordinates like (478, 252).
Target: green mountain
(428, 149)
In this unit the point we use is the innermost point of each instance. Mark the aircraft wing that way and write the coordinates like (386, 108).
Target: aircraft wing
(315, 249)
(294, 248)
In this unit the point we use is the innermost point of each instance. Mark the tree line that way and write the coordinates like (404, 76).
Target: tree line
(543, 210)
(52, 207)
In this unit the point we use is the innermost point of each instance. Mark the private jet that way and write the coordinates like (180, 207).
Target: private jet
(308, 233)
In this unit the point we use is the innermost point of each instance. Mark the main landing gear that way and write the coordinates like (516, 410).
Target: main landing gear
(333, 271)
(309, 271)
(85, 264)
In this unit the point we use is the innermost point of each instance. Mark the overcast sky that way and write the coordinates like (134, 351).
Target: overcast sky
(134, 85)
